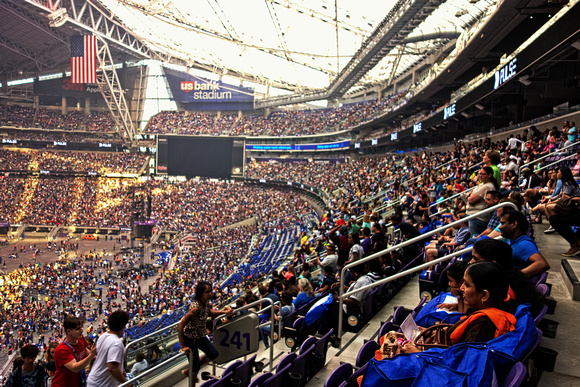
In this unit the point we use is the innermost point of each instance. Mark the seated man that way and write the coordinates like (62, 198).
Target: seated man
(435, 250)
(525, 254)
(354, 303)
(492, 198)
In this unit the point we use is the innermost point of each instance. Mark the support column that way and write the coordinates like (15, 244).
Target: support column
(4, 81)
(63, 106)
(87, 105)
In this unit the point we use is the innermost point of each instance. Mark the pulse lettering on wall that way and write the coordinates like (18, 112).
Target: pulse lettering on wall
(505, 73)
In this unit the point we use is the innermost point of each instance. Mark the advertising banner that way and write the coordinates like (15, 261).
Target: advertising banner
(196, 90)
(64, 87)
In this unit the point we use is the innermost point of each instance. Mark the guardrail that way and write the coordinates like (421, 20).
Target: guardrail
(546, 156)
(157, 332)
(449, 199)
(555, 162)
(173, 358)
(162, 365)
(406, 272)
(271, 323)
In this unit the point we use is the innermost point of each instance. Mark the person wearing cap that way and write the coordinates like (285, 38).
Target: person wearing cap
(531, 179)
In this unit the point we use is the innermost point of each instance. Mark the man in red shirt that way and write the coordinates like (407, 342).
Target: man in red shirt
(72, 355)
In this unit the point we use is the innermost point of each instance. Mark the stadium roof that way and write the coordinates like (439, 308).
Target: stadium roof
(301, 45)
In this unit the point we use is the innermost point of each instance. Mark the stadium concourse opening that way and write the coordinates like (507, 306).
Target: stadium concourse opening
(293, 208)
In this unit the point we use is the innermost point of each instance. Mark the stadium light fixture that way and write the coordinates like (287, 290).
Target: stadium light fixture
(525, 80)
(58, 17)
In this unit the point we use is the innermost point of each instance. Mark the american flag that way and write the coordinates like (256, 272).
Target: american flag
(83, 50)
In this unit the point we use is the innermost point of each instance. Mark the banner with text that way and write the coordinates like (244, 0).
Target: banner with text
(196, 90)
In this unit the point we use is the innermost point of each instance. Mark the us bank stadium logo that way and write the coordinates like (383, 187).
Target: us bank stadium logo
(205, 90)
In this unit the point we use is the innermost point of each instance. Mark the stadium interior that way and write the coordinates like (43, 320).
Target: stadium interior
(351, 157)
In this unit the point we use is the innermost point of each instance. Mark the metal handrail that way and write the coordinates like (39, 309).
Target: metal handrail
(271, 323)
(475, 165)
(400, 245)
(159, 366)
(546, 156)
(133, 343)
(555, 162)
(445, 163)
(449, 199)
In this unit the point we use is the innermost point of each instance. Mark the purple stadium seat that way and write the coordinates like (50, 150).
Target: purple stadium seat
(232, 367)
(540, 278)
(352, 381)
(244, 371)
(516, 375)
(224, 381)
(209, 383)
(400, 315)
(278, 379)
(543, 289)
(534, 346)
(307, 344)
(366, 353)
(288, 359)
(339, 375)
(386, 328)
(320, 349)
(541, 314)
(300, 367)
(260, 380)
(418, 307)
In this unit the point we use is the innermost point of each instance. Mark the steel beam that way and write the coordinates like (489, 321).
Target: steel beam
(113, 93)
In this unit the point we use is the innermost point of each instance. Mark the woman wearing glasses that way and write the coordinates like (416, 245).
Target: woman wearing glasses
(476, 200)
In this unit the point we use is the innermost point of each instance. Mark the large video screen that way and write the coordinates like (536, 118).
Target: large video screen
(194, 156)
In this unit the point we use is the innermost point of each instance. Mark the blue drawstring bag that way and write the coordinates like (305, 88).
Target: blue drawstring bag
(429, 315)
(317, 310)
(433, 374)
(482, 364)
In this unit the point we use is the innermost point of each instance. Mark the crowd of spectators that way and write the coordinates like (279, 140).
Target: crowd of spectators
(15, 159)
(28, 117)
(203, 208)
(51, 136)
(90, 287)
(15, 115)
(277, 123)
(65, 161)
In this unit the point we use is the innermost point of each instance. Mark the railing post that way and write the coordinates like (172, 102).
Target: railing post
(403, 244)
(191, 381)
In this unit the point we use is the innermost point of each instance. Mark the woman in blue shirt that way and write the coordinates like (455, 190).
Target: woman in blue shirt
(305, 294)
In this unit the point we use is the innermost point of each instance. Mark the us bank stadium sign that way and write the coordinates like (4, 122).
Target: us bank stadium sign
(189, 88)
(209, 90)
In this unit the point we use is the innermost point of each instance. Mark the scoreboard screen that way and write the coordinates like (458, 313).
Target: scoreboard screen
(193, 156)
